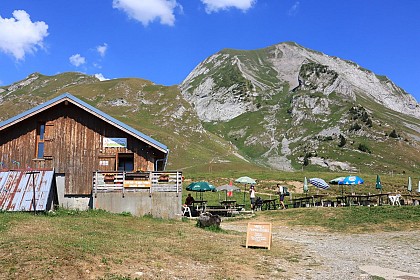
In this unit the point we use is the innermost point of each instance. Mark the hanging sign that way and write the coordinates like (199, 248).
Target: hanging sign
(258, 235)
(115, 142)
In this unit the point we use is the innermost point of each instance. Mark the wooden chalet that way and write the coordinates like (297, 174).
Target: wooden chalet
(77, 141)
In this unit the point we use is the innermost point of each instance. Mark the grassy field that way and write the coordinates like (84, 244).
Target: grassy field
(99, 245)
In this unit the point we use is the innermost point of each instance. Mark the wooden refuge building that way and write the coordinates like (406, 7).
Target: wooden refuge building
(84, 147)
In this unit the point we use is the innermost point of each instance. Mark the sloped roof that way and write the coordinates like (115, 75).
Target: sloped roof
(16, 189)
(94, 111)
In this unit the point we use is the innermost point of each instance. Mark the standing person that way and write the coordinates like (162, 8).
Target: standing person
(281, 194)
(252, 197)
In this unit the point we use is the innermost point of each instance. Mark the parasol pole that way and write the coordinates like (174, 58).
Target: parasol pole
(244, 193)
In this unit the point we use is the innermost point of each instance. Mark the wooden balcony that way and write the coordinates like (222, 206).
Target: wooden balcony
(150, 181)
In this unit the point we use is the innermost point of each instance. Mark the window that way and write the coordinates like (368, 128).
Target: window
(125, 162)
(40, 138)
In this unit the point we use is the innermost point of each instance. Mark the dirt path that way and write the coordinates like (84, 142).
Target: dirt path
(321, 255)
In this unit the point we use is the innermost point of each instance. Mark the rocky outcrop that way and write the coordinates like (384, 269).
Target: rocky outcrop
(291, 64)
(346, 78)
(31, 78)
(208, 220)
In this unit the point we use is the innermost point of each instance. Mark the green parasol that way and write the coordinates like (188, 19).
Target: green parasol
(378, 183)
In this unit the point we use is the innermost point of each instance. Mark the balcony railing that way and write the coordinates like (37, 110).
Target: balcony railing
(150, 181)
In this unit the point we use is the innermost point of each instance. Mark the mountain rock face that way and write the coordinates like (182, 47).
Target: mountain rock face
(287, 106)
(266, 71)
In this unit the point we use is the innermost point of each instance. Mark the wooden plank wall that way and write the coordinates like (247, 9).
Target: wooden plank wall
(73, 145)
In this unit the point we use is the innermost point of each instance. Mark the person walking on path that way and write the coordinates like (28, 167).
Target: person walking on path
(281, 194)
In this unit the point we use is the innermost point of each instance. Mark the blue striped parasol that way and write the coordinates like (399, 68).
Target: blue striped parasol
(319, 183)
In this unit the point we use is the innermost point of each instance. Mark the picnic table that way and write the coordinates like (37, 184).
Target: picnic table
(410, 199)
(379, 198)
(363, 199)
(228, 203)
(358, 199)
(269, 204)
(309, 201)
(200, 205)
(224, 210)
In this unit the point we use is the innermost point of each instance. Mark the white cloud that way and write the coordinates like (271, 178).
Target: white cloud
(146, 11)
(217, 5)
(19, 35)
(100, 77)
(77, 60)
(102, 49)
(294, 9)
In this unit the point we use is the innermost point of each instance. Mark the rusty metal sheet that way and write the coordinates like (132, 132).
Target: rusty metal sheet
(17, 189)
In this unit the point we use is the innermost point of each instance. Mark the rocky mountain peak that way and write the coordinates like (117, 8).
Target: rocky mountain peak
(285, 105)
(226, 84)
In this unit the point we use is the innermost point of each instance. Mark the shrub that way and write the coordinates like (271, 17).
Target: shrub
(364, 148)
(355, 127)
(393, 134)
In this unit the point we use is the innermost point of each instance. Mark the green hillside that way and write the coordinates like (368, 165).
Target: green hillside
(155, 110)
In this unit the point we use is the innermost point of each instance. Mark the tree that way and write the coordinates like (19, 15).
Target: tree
(342, 141)
(369, 122)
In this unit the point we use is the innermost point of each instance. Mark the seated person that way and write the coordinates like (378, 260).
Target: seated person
(189, 200)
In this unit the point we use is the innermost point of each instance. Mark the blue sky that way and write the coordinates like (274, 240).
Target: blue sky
(163, 40)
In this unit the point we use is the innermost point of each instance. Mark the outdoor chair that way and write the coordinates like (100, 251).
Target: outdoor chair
(395, 199)
(186, 209)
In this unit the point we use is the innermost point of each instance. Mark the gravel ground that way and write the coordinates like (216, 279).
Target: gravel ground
(323, 255)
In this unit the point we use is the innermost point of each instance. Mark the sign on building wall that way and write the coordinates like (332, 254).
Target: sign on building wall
(103, 163)
(258, 235)
(115, 142)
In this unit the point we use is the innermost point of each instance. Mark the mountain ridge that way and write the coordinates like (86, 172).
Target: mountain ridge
(278, 107)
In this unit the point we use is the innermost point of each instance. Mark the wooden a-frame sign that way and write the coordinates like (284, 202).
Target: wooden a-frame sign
(258, 234)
